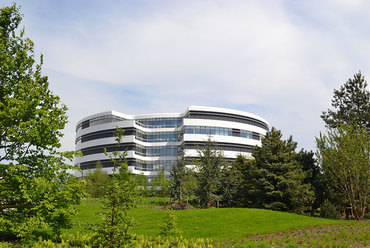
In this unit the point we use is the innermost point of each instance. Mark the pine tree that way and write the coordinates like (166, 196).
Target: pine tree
(121, 196)
(208, 174)
(351, 104)
(280, 177)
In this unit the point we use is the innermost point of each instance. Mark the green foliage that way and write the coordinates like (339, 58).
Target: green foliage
(208, 174)
(231, 184)
(160, 184)
(315, 177)
(169, 225)
(122, 195)
(36, 190)
(344, 155)
(142, 185)
(351, 103)
(182, 181)
(328, 210)
(97, 181)
(238, 183)
(280, 177)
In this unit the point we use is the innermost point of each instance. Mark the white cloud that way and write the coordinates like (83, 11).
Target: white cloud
(282, 57)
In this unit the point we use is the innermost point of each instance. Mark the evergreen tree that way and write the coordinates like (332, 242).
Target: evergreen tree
(178, 178)
(315, 177)
(231, 184)
(122, 195)
(351, 104)
(248, 175)
(208, 174)
(280, 177)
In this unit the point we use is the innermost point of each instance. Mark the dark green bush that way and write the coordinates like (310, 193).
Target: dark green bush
(328, 210)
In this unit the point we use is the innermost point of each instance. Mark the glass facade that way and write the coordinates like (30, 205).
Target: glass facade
(98, 121)
(157, 136)
(226, 117)
(142, 132)
(208, 130)
(221, 131)
(154, 165)
(168, 122)
(157, 151)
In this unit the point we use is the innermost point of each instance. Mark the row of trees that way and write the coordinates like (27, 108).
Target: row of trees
(277, 177)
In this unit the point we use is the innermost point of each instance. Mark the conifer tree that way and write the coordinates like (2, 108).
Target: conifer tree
(208, 173)
(280, 179)
(351, 104)
(121, 196)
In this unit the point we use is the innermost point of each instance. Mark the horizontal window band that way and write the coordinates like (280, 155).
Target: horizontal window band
(226, 117)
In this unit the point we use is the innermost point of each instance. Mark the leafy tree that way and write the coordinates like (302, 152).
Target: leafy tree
(344, 155)
(208, 173)
(351, 104)
(122, 195)
(160, 183)
(142, 184)
(280, 177)
(97, 181)
(36, 190)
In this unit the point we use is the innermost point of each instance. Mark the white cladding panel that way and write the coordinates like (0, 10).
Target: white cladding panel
(235, 143)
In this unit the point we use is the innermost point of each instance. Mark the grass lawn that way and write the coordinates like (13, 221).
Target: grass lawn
(217, 224)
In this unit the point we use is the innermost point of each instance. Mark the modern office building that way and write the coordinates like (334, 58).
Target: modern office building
(153, 141)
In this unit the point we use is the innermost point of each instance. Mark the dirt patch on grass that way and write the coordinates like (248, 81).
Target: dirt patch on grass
(340, 235)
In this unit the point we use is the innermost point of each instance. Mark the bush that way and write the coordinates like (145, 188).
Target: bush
(328, 210)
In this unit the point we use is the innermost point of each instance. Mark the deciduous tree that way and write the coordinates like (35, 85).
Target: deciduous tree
(36, 190)
(97, 181)
(160, 183)
(344, 155)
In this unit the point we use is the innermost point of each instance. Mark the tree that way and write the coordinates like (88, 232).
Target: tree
(178, 178)
(208, 173)
(246, 180)
(231, 183)
(36, 190)
(122, 195)
(315, 177)
(280, 177)
(169, 225)
(351, 104)
(344, 155)
(160, 183)
(142, 184)
(97, 181)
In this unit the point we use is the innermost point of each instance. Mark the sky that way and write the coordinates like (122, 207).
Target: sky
(278, 59)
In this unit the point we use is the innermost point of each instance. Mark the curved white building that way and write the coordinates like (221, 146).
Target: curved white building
(153, 141)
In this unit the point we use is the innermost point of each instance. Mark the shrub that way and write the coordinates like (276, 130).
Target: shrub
(328, 210)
